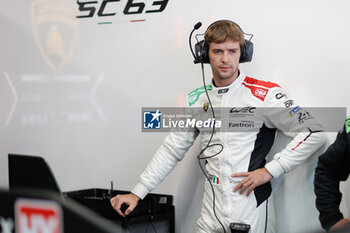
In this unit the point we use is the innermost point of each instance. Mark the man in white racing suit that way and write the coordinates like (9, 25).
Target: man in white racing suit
(239, 174)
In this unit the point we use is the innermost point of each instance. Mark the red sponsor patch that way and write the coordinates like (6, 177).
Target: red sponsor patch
(258, 92)
(36, 216)
(257, 82)
(258, 88)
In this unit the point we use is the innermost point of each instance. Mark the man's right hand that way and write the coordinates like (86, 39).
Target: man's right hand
(130, 200)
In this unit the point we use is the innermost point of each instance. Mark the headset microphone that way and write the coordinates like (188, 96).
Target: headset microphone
(196, 26)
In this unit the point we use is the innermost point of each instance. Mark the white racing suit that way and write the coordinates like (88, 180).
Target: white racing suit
(246, 141)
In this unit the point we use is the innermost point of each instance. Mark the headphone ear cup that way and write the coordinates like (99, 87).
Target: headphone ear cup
(201, 52)
(246, 52)
(206, 53)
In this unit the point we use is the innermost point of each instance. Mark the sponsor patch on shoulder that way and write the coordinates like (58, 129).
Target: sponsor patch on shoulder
(258, 88)
(258, 92)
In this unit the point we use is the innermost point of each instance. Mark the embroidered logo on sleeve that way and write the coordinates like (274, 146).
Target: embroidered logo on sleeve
(193, 96)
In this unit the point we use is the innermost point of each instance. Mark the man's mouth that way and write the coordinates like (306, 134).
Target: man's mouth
(224, 68)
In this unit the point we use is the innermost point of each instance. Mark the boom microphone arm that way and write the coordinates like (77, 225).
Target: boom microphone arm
(196, 26)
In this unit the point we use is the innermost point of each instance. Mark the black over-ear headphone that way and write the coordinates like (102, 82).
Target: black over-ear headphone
(202, 48)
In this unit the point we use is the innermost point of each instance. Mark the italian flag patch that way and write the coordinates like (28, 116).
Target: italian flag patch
(215, 180)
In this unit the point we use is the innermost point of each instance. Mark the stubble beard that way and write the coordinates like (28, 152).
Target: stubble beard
(227, 75)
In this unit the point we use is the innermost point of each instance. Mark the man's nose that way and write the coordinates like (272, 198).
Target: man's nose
(224, 57)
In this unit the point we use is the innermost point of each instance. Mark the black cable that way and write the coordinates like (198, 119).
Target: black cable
(127, 227)
(129, 230)
(146, 230)
(199, 157)
(197, 35)
(267, 213)
(150, 222)
(147, 227)
(152, 225)
(248, 34)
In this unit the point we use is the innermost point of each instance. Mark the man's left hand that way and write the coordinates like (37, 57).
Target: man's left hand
(252, 180)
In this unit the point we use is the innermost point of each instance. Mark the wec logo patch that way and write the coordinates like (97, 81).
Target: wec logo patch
(34, 216)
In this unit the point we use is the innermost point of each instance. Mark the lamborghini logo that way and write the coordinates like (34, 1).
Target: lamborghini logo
(205, 106)
(55, 30)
